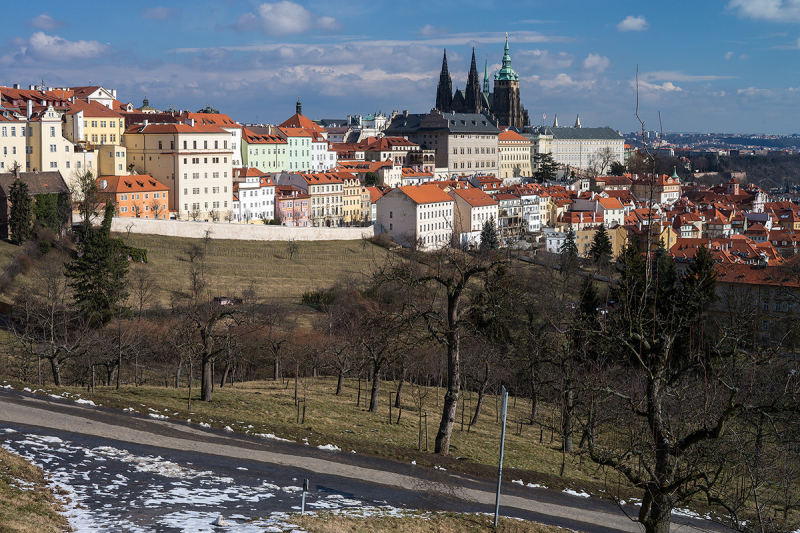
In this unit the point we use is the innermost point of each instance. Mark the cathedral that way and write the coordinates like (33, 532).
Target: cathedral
(503, 105)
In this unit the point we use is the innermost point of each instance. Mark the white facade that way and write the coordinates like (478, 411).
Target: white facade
(255, 200)
(417, 215)
(194, 161)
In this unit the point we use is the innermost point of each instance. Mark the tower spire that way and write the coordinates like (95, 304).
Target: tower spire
(486, 77)
(444, 91)
(298, 107)
(473, 91)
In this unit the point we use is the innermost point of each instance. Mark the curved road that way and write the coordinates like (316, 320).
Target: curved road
(369, 480)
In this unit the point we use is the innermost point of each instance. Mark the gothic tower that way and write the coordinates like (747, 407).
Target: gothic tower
(486, 79)
(444, 91)
(507, 105)
(473, 100)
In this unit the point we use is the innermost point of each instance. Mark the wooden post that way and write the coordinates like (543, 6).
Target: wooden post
(304, 411)
(390, 408)
(426, 431)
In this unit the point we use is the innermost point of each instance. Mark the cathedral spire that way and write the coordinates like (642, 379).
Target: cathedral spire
(578, 121)
(555, 122)
(486, 78)
(473, 91)
(507, 72)
(444, 91)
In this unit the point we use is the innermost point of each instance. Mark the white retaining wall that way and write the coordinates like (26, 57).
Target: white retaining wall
(240, 232)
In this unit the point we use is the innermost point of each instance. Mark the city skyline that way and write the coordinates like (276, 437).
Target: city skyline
(725, 65)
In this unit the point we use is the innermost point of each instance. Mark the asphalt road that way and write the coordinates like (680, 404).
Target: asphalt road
(367, 479)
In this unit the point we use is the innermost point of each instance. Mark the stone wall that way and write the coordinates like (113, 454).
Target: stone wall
(242, 232)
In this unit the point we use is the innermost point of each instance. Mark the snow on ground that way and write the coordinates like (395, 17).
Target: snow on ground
(108, 488)
(574, 493)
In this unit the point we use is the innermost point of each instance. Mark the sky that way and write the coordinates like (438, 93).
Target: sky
(703, 65)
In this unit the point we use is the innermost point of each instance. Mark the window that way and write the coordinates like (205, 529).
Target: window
(196, 190)
(52, 131)
(52, 148)
(159, 145)
(94, 123)
(194, 145)
(5, 131)
(195, 160)
(112, 124)
(196, 176)
(184, 145)
(216, 144)
(215, 190)
(205, 145)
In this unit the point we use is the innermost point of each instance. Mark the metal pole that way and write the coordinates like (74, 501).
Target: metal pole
(303, 504)
(502, 447)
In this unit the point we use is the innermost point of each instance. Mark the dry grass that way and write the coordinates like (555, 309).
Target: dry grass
(268, 407)
(233, 266)
(26, 503)
(439, 522)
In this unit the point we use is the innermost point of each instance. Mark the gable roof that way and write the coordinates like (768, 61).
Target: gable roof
(425, 194)
(37, 182)
(130, 183)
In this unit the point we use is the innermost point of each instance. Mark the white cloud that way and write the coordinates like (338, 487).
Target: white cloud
(43, 46)
(744, 57)
(728, 56)
(46, 22)
(542, 60)
(160, 13)
(755, 91)
(673, 75)
(772, 10)
(667, 86)
(284, 18)
(564, 81)
(632, 23)
(429, 30)
(596, 62)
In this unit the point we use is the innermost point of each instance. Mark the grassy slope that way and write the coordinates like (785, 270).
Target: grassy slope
(232, 266)
(442, 523)
(269, 408)
(26, 503)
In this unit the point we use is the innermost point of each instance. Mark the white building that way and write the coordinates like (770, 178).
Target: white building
(473, 208)
(253, 198)
(417, 215)
(193, 160)
(577, 147)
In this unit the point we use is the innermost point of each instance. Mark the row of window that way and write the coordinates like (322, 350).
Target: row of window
(194, 145)
(103, 123)
(196, 160)
(125, 197)
(196, 190)
(478, 164)
(196, 175)
(483, 150)
(196, 205)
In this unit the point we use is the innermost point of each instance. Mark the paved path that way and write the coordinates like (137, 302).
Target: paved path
(406, 483)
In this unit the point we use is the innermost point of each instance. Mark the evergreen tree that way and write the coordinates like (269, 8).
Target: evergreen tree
(601, 249)
(569, 252)
(21, 215)
(546, 167)
(372, 179)
(489, 240)
(98, 273)
(570, 246)
(590, 299)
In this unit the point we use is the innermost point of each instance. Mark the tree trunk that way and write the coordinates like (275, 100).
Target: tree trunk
(56, 367)
(478, 406)
(657, 519)
(397, 398)
(207, 380)
(376, 387)
(450, 404)
(276, 369)
(566, 423)
(340, 383)
(178, 376)
(225, 373)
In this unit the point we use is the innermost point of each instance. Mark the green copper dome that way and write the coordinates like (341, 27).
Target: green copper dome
(507, 73)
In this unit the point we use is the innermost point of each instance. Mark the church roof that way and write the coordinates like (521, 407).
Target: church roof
(578, 133)
(506, 73)
(451, 122)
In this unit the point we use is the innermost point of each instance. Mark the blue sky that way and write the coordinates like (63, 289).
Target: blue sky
(706, 65)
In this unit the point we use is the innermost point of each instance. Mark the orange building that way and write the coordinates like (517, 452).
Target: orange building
(137, 195)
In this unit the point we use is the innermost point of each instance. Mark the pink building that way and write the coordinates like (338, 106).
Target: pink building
(291, 206)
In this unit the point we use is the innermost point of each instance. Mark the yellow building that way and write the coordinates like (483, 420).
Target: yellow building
(515, 155)
(355, 196)
(93, 123)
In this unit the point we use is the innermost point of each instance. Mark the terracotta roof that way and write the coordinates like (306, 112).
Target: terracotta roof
(474, 197)
(425, 194)
(295, 132)
(509, 135)
(754, 275)
(216, 119)
(610, 203)
(257, 138)
(173, 128)
(131, 183)
(92, 109)
(301, 121)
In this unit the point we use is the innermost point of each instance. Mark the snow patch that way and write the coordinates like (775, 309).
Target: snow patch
(330, 447)
(85, 402)
(270, 436)
(580, 494)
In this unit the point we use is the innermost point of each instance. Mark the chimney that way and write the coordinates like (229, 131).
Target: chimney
(114, 93)
(144, 124)
(30, 109)
(405, 112)
(16, 86)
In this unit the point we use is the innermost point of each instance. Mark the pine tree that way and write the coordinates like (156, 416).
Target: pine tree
(98, 274)
(489, 240)
(546, 167)
(601, 249)
(21, 215)
(570, 246)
